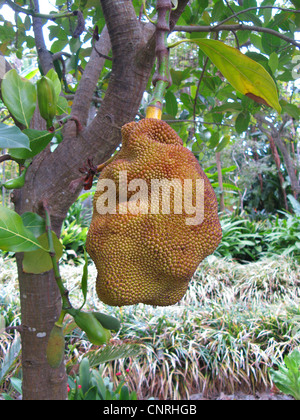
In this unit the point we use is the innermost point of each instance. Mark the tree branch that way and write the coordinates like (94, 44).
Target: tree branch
(34, 13)
(43, 53)
(250, 9)
(3, 158)
(87, 85)
(238, 27)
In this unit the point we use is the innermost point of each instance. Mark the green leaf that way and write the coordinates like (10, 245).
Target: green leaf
(52, 75)
(223, 143)
(295, 204)
(62, 106)
(39, 140)
(244, 74)
(171, 104)
(10, 357)
(12, 136)
(114, 352)
(14, 237)
(226, 185)
(84, 375)
(290, 109)
(19, 95)
(242, 122)
(214, 140)
(270, 43)
(39, 261)
(273, 61)
(16, 384)
(35, 223)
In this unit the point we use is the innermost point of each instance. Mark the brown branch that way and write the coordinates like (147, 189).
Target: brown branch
(238, 27)
(44, 55)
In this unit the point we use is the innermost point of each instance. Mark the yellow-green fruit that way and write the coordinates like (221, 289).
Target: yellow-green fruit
(91, 326)
(47, 99)
(56, 347)
(150, 256)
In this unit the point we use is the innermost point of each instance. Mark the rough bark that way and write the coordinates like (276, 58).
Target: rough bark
(50, 175)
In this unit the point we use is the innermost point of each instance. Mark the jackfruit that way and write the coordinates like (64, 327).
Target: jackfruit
(149, 254)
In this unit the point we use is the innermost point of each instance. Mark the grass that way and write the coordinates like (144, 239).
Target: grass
(232, 325)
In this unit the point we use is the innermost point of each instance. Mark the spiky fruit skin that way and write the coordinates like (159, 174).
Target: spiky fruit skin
(150, 258)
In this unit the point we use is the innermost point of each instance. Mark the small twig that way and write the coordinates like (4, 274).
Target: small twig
(238, 27)
(199, 84)
(3, 158)
(146, 13)
(19, 328)
(31, 12)
(256, 8)
(102, 55)
(5, 118)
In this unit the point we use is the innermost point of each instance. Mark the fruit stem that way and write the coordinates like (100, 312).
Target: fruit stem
(60, 321)
(63, 291)
(162, 78)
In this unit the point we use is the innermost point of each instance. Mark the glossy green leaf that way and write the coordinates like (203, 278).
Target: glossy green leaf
(19, 95)
(38, 141)
(223, 143)
(62, 106)
(242, 122)
(171, 104)
(14, 237)
(35, 223)
(39, 261)
(244, 74)
(12, 137)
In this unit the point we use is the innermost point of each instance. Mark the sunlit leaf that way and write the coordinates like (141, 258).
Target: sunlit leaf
(244, 74)
(39, 261)
(19, 95)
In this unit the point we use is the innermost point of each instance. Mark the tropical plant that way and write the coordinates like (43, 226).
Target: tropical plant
(90, 385)
(85, 95)
(287, 376)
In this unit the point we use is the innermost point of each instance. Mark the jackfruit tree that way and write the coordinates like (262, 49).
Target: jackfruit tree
(64, 129)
